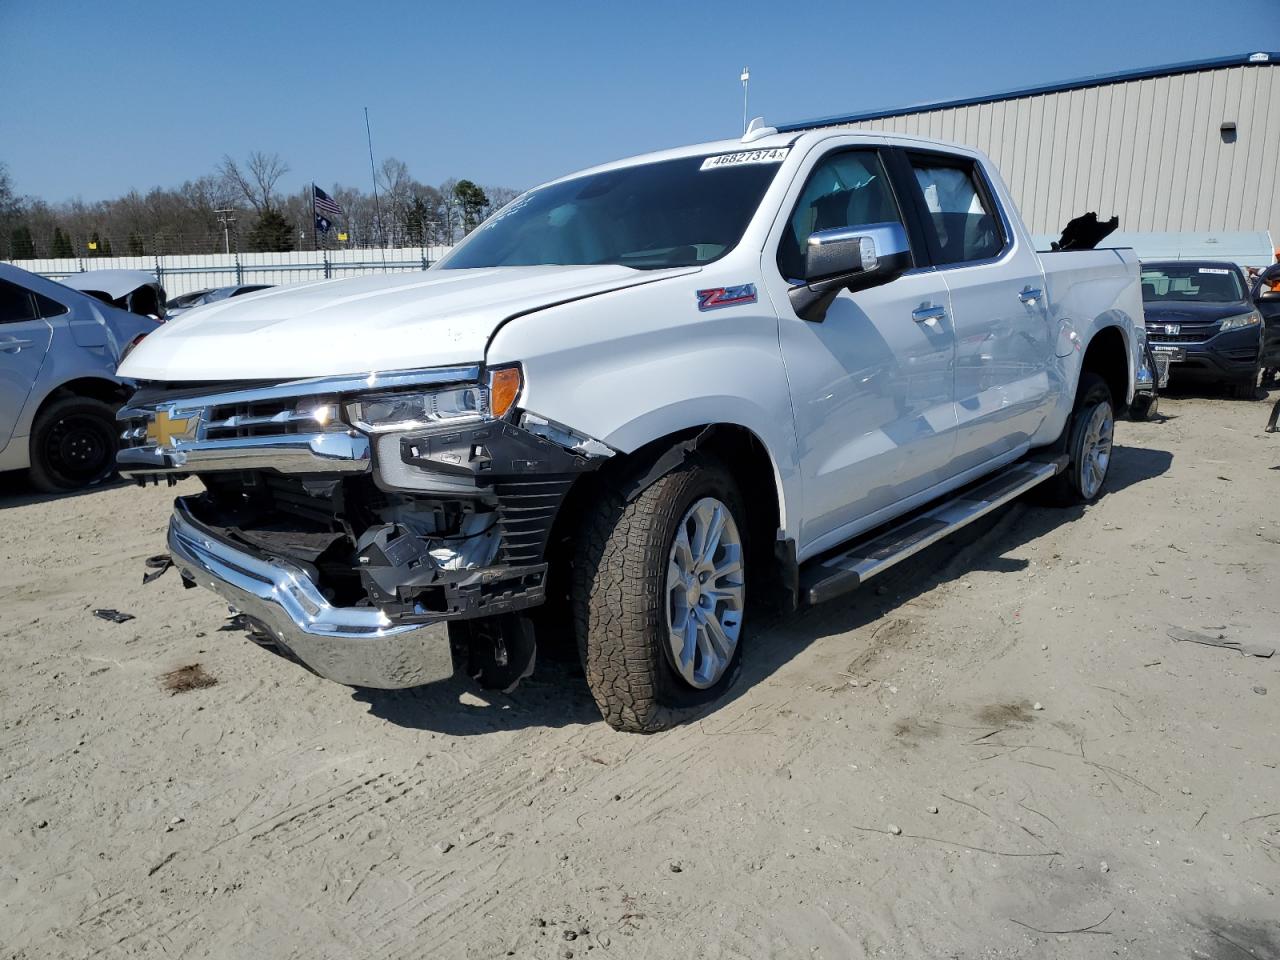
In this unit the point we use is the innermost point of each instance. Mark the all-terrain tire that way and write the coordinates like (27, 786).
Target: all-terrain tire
(618, 599)
(73, 444)
(1069, 487)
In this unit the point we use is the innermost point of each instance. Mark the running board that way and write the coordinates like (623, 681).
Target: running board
(849, 569)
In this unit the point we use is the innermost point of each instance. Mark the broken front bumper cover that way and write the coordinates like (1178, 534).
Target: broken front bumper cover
(356, 646)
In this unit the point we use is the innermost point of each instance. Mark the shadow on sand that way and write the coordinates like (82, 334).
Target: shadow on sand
(557, 693)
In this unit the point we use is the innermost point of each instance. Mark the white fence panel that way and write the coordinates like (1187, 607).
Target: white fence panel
(191, 272)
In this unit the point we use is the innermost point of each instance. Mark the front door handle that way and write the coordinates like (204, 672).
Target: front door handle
(1030, 295)
(13, 344)
(925, 314)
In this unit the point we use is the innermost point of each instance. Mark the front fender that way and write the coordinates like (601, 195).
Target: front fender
(634, 366)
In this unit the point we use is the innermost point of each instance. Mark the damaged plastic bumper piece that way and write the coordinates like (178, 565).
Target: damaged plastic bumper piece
(356, 646)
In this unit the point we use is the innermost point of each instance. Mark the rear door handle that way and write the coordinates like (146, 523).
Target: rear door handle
(1030, 295)
(13, 345)
(925, 314)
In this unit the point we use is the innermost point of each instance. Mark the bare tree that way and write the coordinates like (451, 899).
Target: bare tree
(256, 181)
(394, 178)
(185, 219)
(499, 197)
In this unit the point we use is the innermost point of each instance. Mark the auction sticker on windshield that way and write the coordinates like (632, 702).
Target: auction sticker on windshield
(773, 155)
(1213, 270)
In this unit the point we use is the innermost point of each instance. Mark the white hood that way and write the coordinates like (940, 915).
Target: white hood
(363, 324)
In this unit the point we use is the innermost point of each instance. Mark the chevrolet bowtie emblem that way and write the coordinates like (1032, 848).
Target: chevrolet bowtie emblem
(164, 429)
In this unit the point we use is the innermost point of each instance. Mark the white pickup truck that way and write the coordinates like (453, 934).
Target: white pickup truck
(632, 399)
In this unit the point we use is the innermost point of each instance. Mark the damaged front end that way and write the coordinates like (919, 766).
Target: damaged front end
(349, 520)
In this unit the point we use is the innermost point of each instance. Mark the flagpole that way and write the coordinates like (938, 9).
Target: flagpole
(315, 239)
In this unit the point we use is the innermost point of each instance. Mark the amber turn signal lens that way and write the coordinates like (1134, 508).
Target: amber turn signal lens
(504, 387)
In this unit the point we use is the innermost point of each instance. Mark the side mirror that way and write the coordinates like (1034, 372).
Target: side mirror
(849, 258)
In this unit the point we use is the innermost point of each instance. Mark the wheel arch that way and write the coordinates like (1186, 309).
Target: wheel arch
(1107, 355)
(741, 450)
(108, 391)
(95, 388)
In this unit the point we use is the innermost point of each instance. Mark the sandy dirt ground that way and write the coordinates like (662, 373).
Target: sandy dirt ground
(996, 751)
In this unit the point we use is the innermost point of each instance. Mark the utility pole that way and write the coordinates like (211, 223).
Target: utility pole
(746, 75)
(225, 218)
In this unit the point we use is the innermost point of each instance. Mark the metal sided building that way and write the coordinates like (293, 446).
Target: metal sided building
(1191, 147)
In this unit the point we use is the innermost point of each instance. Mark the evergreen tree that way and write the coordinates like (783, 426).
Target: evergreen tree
(473, 201)
(22, 247)
(272, 233)
(61, 247)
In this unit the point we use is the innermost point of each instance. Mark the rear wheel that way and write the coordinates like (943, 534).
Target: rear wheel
(659, 595)
(73, 444)
(1090, 434)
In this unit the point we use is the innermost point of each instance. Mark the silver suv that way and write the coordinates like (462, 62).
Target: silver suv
(59, 392)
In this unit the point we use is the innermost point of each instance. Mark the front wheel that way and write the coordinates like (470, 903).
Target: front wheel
(659, 595)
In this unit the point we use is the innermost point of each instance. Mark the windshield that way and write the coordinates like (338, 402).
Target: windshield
(673, 213)
(1194, 283)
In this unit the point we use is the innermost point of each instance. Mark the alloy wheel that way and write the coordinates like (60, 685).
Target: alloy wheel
(1095, 457)
(705, 593)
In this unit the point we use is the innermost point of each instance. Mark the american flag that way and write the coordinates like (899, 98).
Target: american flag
(325, 208)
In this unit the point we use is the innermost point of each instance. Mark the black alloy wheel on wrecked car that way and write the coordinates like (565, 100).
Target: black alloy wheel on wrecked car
(659, 595)
(73, 445)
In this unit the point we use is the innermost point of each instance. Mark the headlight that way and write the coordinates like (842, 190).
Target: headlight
(1243, 320)
(388, 412)
(409, 411)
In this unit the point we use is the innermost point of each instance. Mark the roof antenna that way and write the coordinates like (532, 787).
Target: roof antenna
(756, 130)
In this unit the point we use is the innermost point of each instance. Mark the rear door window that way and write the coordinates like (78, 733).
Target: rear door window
(961, 219)
(16, 303)
(48, 307)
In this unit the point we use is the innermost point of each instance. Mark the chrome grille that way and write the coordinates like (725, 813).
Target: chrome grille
(265, 418)
(290, 427)
(1185, 334)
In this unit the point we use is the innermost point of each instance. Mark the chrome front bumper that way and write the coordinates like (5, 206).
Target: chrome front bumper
(313, 453)
(357, 646)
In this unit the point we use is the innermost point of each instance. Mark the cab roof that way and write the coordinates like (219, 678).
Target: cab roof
(771, 141)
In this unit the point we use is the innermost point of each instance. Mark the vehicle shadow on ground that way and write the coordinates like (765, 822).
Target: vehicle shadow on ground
(983, 545)
(557, 694)
(16, 490)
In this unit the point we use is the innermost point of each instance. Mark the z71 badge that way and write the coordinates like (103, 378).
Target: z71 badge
(717, 297)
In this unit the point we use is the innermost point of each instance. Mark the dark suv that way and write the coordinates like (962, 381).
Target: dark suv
(1200, 317)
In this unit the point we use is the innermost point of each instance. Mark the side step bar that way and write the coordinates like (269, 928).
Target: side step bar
(848, 570)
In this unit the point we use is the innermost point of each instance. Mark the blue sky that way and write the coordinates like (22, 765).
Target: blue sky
(103, 97)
